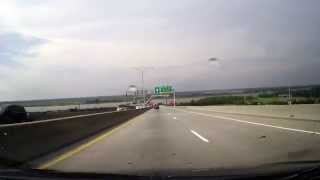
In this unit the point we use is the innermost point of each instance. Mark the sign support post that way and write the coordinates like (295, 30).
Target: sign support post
(165, 90)
(174, 98)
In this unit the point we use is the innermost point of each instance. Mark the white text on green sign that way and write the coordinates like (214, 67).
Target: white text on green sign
(163, 90)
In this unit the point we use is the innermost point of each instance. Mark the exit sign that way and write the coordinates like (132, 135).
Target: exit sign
(163, 90)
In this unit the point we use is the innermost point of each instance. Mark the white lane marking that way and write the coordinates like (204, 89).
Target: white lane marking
(199, 136)
(174, 117)
(254, 123)
(268, 125)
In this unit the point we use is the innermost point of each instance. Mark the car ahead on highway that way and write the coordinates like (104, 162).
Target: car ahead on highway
(278, 171)
(156, 106)
(10, 113)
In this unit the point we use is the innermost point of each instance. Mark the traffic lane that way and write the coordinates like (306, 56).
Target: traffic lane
(297, 124)
(161, 140)
(154, 141)
(253, 144)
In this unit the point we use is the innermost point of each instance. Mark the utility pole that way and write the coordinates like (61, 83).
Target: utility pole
(174, 98)
(143, 94)
(289, 96)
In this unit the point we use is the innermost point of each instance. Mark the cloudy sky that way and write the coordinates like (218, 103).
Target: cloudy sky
(56, 49)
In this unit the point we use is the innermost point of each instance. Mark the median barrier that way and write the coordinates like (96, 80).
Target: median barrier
(23, 142)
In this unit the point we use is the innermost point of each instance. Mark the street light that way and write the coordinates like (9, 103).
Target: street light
(142, 70)
(213, 59)
(132, 89)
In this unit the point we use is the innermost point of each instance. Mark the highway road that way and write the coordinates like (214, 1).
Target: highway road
(192, 139)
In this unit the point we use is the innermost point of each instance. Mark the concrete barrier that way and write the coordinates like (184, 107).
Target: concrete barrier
(23, 142)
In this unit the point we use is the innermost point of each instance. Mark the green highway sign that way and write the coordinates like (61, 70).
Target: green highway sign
(163, 90)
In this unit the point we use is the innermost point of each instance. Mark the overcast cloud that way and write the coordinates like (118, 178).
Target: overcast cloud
(55, 49)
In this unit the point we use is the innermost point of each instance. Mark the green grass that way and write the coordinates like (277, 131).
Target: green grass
(268, 100)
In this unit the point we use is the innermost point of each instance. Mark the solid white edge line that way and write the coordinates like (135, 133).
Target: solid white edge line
(199, 136)
(254, 123)
(268, 125)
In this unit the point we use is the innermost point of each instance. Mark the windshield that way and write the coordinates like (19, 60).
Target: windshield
(134, 86)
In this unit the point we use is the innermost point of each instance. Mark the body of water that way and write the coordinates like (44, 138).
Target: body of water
(67, 107)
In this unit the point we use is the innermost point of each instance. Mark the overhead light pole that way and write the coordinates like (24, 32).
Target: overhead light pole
(132, 89)
(141, 70)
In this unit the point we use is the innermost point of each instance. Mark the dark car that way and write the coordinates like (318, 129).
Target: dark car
(156, 106)
(12, 114)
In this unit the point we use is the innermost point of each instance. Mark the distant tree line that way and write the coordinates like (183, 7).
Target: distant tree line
(219, 100)
(246, 100)
(313, 92)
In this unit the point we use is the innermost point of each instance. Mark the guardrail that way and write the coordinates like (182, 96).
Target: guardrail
(23, 142)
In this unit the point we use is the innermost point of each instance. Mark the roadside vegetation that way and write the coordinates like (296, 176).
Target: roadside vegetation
(310, 96)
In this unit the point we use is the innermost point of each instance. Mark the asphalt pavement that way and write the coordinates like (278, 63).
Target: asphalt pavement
(195, 139)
